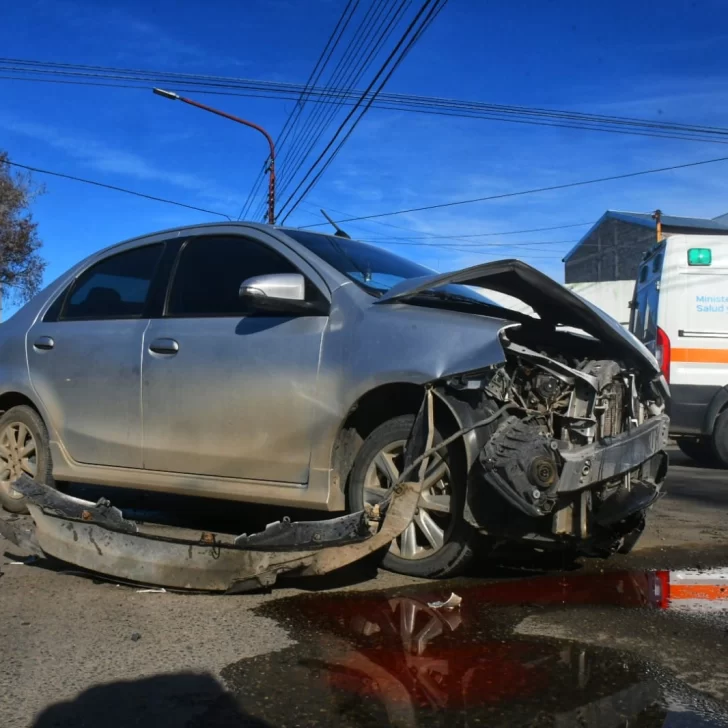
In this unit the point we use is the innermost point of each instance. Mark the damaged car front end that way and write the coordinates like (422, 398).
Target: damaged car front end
(577, 455)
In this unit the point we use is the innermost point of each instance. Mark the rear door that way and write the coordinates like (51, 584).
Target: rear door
(84, 358)
(227, 391)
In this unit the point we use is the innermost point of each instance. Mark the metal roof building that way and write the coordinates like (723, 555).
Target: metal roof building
(612, 249)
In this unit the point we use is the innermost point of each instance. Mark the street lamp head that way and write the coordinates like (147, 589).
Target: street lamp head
(166, 94)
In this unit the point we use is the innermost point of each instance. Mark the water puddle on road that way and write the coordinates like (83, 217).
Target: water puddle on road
(390, 658)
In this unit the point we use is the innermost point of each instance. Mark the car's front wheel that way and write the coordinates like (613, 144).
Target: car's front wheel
(23, 450)
(438, 542)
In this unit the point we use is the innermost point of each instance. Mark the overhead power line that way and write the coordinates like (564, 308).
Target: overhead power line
(430, 9)
(96, 183)
(344, 75)
(420, 235)
(535, 190)
(33, 70)
(465, 236)
(470, 246)
(384, 19)
(313, 79)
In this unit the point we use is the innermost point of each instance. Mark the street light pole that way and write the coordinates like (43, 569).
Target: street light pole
(271, 168)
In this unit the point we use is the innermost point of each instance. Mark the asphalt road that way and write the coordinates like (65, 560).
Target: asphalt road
(591, 647)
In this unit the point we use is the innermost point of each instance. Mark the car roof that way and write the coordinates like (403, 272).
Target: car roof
(263, 227)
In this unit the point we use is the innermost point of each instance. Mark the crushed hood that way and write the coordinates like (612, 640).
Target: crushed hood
(553, 303)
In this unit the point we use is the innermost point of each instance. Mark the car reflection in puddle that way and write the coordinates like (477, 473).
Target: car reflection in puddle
(392, 659)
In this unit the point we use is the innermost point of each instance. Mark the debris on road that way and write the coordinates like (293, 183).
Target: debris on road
(452, 602)
(28, 561)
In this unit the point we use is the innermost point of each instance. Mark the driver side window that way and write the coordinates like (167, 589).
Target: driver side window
(209, 273)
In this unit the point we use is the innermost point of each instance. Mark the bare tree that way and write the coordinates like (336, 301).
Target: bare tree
(21, 266)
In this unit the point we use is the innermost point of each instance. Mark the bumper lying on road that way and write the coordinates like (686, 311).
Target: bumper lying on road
(97, 537)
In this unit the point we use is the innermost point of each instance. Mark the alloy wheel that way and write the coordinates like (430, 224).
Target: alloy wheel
(18, 455)
(428, 531)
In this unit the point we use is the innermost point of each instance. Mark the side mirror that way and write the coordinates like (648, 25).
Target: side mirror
(278, 286)
(283, 293)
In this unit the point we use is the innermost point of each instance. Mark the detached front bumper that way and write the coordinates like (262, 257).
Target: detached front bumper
(97, 537)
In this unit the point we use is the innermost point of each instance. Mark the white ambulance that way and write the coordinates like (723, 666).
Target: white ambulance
(680, 312)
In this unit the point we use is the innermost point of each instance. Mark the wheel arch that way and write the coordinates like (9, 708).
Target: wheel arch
(380, 404)
(11, 399)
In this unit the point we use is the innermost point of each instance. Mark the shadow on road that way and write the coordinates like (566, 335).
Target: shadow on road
(179, 699)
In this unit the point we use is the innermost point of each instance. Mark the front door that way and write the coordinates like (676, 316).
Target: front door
(84, 361)
(228, 392)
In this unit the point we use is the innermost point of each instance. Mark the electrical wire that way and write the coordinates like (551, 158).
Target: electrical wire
(520, 244)
(389, 107)
(112, 187)
(486, 235)
(434, 12)
(313, 78)
(402, 101)
(345, 74)
(323, 117)
(427, 236)
(535, 190)
(395, 63)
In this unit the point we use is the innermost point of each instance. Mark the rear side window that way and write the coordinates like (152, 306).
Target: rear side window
(210, 271)
(115, 288)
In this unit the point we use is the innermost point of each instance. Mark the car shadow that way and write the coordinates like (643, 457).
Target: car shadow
(258, 323)
(177, 699)
(679, 459)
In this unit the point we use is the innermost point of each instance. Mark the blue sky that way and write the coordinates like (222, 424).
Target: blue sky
(662, 61)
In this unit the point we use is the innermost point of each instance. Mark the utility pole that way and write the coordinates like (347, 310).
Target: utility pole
(271, 167)
(657, 217)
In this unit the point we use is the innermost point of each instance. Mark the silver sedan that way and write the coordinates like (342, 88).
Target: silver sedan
(286, 367)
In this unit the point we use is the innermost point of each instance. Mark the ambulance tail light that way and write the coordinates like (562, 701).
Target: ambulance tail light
(662, 352)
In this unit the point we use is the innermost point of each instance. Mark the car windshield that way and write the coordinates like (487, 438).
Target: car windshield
(373, 268)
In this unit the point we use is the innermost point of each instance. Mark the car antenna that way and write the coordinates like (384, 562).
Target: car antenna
(343, 234)
(339, 232)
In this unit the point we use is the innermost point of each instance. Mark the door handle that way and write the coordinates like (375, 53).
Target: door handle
(164, 346)
(44, 343)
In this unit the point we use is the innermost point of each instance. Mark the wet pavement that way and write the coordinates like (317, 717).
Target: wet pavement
(622, 648)
(639, 640)
(392, 659)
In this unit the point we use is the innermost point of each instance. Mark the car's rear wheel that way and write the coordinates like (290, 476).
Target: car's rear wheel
(438, 542)
(697, 449)
(23, 450)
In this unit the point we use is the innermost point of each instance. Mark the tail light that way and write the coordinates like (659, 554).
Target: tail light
(662, 352)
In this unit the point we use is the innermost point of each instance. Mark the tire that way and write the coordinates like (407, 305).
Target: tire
(699, 450)
(18, 427)
(719, 440)
(377, 455)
